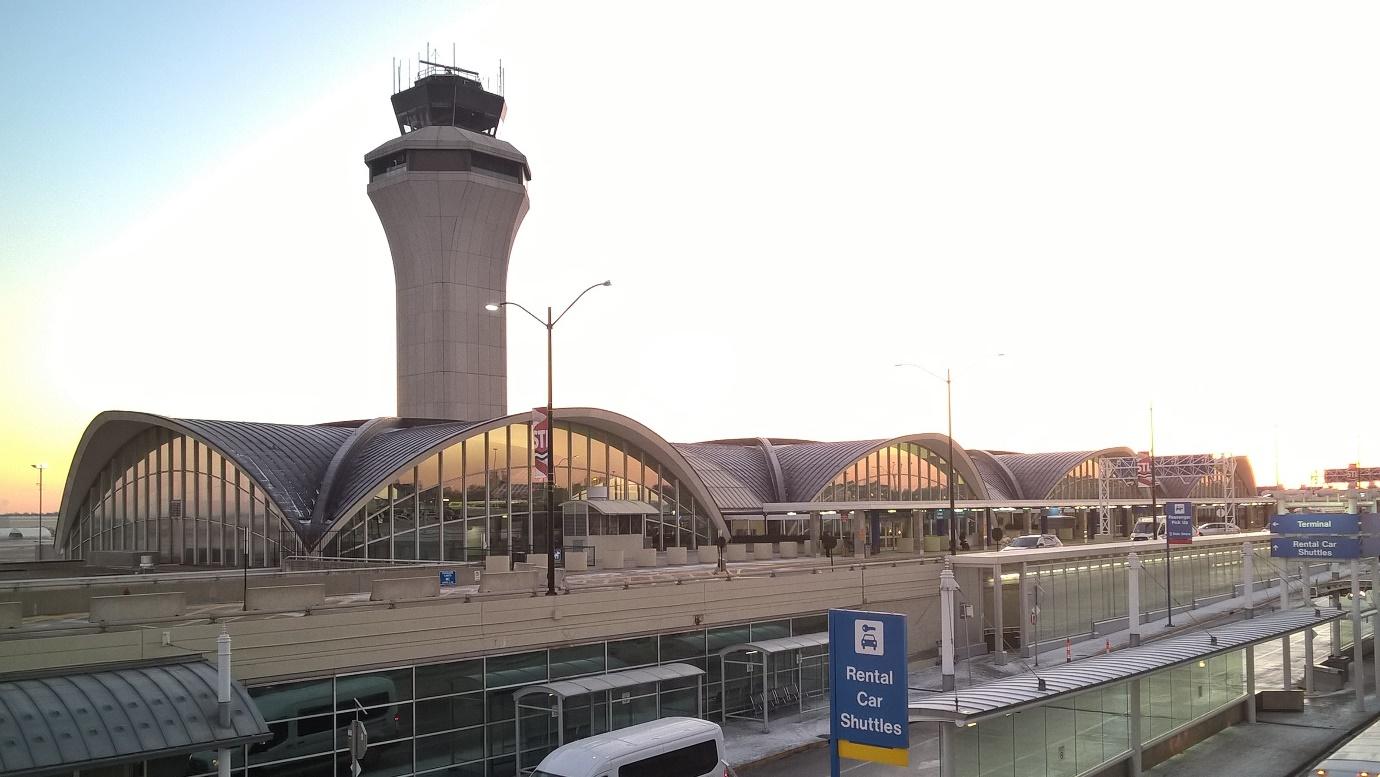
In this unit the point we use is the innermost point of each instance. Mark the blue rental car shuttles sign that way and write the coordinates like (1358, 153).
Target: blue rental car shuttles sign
(1320, 546)
(868, 714)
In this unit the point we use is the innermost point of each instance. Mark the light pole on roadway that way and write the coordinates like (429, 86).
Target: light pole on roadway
(38, 536)
(550, 324)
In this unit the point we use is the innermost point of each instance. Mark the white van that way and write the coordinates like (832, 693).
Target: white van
(1148, 529)
(670, 747)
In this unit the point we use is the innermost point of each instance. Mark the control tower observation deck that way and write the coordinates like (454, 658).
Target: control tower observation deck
(451, 197)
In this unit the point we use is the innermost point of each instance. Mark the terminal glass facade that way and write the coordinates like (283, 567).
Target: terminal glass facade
(175, 497)
(1081, 483)
(476, 498)
(905, 472)
(457, 718)
(1080, 734)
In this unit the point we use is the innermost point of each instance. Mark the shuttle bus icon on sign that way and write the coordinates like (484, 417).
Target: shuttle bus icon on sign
(867, 638)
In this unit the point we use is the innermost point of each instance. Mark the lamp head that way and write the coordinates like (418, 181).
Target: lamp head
(606, 283)
(491, 307)
(39, 466)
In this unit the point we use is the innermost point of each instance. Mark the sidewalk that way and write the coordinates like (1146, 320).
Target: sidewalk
(1273, 746)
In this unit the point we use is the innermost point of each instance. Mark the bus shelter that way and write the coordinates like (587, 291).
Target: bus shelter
(567, 710)
(793, 670)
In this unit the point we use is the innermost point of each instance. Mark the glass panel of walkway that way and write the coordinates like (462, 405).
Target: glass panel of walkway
(1079, 718)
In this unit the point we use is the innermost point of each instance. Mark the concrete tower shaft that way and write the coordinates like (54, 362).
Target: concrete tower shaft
(451, 201)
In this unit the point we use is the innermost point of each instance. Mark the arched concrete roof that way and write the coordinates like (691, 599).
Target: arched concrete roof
(1000, 482)
(737, 476)
(284, 461)
(1037, 474)
(393, 451)
(809, 467)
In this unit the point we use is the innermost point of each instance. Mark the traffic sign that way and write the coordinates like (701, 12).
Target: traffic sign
(1321, 546)
(448, 578)
(1178, 523)
(1315, 523)
(868, 715)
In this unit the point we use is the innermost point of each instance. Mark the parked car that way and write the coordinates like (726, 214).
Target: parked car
(1033, 541)
(1210, 529)
(1148, 529)
(670, 747)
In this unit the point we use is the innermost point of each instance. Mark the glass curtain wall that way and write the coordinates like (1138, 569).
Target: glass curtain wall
(457, 718)
(174, 497)
(1081, 483)
(476, 498)
(906, 472)
(1075, 594)
(1078, 734)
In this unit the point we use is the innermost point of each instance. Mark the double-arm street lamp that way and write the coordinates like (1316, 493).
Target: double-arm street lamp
(550, 324)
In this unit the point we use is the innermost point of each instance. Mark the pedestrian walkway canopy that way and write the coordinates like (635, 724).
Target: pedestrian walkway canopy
(802, 678)
(1077, 718)
(78, 721)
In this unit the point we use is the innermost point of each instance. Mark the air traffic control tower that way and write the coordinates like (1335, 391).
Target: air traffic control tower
(451, 197)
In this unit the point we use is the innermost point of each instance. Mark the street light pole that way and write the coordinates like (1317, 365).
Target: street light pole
(38, 536)
(550, 324)
(953, 513)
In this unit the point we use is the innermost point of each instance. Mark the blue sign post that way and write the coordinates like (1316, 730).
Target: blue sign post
(447, 578)
(1178, 523)
(868, 710)
(1317, 546)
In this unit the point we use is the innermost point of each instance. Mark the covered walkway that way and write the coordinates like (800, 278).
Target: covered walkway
(1072, 718)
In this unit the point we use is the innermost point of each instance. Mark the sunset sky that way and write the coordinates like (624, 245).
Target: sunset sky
(1170, 203)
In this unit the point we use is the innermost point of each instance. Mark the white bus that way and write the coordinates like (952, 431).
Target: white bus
(670, 747)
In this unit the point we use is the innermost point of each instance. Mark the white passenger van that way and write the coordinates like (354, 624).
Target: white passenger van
(1148, 529)
(670, 747)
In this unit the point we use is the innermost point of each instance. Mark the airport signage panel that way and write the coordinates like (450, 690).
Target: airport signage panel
(1352, 475)
(868, 715)
(1321, 546)
(541, 445)
(1316, 523)
(448, 578)
(1178, 523)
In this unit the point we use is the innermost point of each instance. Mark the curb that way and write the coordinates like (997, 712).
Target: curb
(1302, 770)
(766, 759)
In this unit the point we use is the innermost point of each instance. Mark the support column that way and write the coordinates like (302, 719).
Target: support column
(1248, 577)
(1027, 602)
(1133, 566)
(1375, 627)
(998, 617)
(947, 732)
(1358, 664)
(1336, 650)
(947, 586)
(1308, 636)
(815, 523)
(1250, 684)
(223, 698)
(1286, 661)
(1137, 749)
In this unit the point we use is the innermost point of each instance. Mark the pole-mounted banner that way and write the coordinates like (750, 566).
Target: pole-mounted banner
(541, 445)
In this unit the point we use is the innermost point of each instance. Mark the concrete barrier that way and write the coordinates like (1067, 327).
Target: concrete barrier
(497, 564)
(536, 561)
(511, 582)
(137, 607)
(117, 559)
(789, 549)
(736, 552)
(576, 561)
(905, 544)
(676, 555)
(645, 557)
(400, 588)
(285, 597)
(762, 551)
(1279, 701)
(807, 548)
(610, 559)
(707, 554)
(11, 614)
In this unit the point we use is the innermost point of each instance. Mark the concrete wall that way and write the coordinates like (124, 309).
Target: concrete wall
(11, 614)
(137, 607)
(285, 597)
(358, 637)
(73, 596)
(400, 588)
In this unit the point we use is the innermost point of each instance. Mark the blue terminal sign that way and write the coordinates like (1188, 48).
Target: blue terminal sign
(1318, 546)
(868, 707)
(1316, 523)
